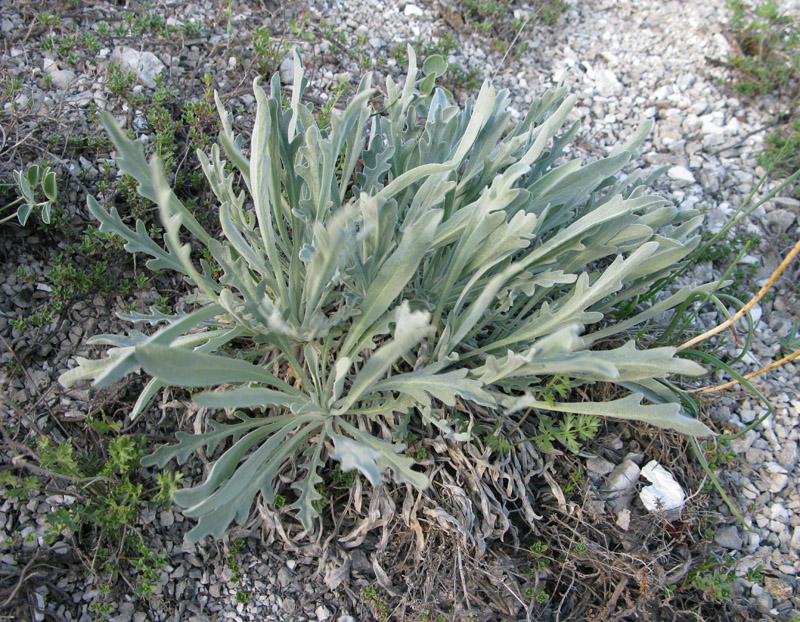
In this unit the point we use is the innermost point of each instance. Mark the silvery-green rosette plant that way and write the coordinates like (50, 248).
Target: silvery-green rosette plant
(387, 266)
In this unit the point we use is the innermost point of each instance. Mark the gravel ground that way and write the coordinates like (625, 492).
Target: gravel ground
(626, 61)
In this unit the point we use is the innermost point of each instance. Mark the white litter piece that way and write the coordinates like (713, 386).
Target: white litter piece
(665, 493)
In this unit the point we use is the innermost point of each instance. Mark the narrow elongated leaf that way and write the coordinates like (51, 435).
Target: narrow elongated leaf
(666, 416)
(131, 161)
(189, 443)
(234, 499)
(393, 276)
(307, 486)
(411, 327)
(246, 397)
(445, 387)
(191, 369)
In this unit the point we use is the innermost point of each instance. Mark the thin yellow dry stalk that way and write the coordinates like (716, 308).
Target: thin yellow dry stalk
(751, 303)
(763, 370)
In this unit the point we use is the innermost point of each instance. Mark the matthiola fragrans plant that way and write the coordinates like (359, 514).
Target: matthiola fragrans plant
(388, 266)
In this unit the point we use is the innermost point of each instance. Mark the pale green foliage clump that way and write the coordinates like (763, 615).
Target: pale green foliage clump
(388, 266)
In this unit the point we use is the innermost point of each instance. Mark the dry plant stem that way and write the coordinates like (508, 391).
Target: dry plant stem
(22, 577)
(733, 383)
(751, 303)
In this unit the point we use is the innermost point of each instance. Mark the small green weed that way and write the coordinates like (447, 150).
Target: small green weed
(756, 574)
(791, 342)
(572, 484)
(723, 250)
(231, 561)
(768, 61)
(537, 594)
(715, 586)
(14, 487)
(768, 42)
(494, 20)
(104, 510)
(537, 551)
(341, 89)
(269, 50)
(781, 155)
(37, 189)
(370, 594)
(718, 453)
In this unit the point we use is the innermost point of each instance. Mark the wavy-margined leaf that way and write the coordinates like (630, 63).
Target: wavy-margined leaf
(373, 456)
(189, 443)
(228, 462)
(131, 161)
(121, 362)
(652, 311)
(354, 455)
(573, 307)
(156, 316)
(633, 364)
(247, 397)
(410, 328)
(333, 245)
(668, 416)
(233, 500)
(307, 486)
(393, 276)
(137, 241)
(427, 383)
(203, 342)
(186, 368)
(89, 369)
(625, 363)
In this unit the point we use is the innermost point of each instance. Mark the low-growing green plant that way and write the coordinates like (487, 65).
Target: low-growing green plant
(495, 19)
(781, 155)
(716, 586)
(768, 43)
(36, 189)
(394, 264)
(791, 342)
(103, 510)
(767, 60)
(269, 50)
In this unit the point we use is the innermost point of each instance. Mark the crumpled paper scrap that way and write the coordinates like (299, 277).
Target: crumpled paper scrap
(664, 494)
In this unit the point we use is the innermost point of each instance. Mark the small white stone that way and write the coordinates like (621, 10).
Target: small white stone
(61, 78)
(776, 476)
(322, 613)
(145, 65)
(412, 10)
(795, 541)
(607, 84)
(778, 512)
(624, 476)
(788, 203)
(682, 175)
(599, 465)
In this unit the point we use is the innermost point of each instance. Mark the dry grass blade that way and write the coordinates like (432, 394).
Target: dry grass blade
(750, 304)
(763, 370)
